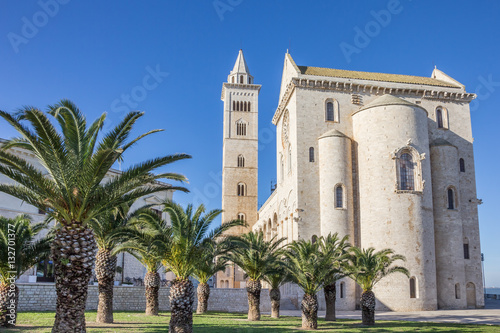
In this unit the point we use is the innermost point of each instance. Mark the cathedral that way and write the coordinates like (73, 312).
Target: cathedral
(386, 159)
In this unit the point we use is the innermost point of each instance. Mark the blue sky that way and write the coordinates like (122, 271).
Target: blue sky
(171, 58)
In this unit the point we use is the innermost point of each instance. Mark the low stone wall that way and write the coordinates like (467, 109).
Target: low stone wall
(42, 297)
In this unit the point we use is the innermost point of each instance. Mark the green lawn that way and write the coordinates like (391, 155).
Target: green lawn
(234, 322)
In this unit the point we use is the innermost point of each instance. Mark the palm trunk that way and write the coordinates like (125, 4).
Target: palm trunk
(152, 283)
(253, 292)
(330, 298)
(181, 305)
(73, 253)
(368, 307)
(105, 267)
(203, 294)
(8, 305)
(309, 307)
(275, 296)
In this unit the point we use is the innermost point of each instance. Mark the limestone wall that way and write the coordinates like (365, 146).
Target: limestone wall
(42, 297)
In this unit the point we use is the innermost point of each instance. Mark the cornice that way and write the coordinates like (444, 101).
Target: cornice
(336, 85)
(238, 86)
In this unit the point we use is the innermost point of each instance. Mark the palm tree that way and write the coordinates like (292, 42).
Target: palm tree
(212, 261)
(72, 189)
(146, 239)
(276, 279)
(257, 258)
(21, 247)
(190, 236)
(308, 267)
(109, 229)
(368, 267)
(337, 248)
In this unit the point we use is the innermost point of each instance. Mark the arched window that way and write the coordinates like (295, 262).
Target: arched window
(241, 128)
(442, 117)
(457, 291)
(242, 189)
(228, 271)
(342, 289)
(244, 106)
(339, 196)
(462, 165)
(451, 198)
(466, 248)
(406, 172)
(439, 117)
(413, 287)
(249, 107)
(329, 112)
(314, 238)
(241, 161)
(249, 80)
(311, 154)
(241, 78)
(332, 110)
(241, 217)
(232, 79)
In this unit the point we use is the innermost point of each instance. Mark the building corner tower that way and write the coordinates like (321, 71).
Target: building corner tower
(240, 146)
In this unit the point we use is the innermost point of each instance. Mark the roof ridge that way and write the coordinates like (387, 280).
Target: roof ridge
(404, 78)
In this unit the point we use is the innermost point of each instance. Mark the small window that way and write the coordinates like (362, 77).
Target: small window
(329, 112)
(244, 106)
(232, 79)
(241, 161)
(339, 196)
(249, 107)
(466, 251)
(413, 288)
(249, 80)
(457, 291)
(234, 105)
(242, 190)
(462, 165)
(342, 289)
(157, 212)
(451, 199)
(442, 117)
(241, 78)
(241, 129)
(406, 172)
(311, 154)
(241, 217)
(439, 118)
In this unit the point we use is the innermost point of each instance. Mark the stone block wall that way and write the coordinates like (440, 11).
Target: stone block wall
(42, 297)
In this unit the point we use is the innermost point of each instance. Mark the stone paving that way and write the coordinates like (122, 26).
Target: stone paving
(490, 315)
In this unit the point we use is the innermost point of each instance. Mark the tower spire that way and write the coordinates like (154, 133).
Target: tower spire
(240, 73)
(240, 66)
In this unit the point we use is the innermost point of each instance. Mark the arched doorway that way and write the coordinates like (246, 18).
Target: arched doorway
(471, 295)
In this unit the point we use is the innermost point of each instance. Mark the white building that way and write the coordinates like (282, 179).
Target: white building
(386, 159)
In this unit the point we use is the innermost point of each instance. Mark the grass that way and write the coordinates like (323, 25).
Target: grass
(216, 322)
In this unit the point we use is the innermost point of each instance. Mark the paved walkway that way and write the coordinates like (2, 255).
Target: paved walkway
(489, 315)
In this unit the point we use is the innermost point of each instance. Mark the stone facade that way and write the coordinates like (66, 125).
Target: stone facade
(387, 160)
(33, 297)
(240, 157)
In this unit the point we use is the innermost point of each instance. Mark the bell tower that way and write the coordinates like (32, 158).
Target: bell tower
(240, 146)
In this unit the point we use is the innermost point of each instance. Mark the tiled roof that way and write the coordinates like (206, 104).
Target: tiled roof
(319, 71)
